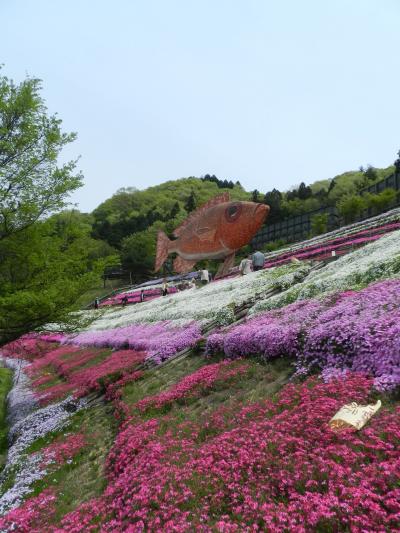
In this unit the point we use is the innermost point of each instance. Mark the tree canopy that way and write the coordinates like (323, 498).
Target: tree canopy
(32, 183)
(46, 259)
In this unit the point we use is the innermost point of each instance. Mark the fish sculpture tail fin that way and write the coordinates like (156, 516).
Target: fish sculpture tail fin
(162, 250)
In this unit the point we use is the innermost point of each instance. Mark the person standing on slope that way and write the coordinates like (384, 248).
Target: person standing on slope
(258, 259)
(164, 288)
(245, 266)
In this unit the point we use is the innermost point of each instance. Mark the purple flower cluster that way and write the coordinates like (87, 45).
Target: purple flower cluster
(159, 340)
(272, 334)
(358, 331)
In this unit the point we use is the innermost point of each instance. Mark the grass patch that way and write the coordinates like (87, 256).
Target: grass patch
(82, 478)
(8, 481)
(159, 379)
(55, 380)
(99, 358)
(261, 381)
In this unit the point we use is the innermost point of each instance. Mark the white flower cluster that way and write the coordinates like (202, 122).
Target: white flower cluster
(26, 473)
(375, 261)
(26, 427)
(203, 304)
(20, 400)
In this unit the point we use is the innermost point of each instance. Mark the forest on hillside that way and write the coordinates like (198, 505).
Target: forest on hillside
(130, 219)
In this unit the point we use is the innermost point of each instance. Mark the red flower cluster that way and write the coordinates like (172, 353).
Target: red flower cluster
(273, 466)
(28, 347)
(72, 365)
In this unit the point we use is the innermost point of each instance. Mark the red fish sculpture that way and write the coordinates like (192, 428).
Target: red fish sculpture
(214, 231)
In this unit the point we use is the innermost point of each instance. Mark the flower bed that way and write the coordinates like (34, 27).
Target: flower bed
(150, 293)
(160, 340)
(308, 251)
(199, 305)
(272, 466)
(29, 346)
(31, 516)
(383, 222)
(63, 449)
(82, 381)
(378, 260)
(324, 251)
(359, 331)
(27, 469)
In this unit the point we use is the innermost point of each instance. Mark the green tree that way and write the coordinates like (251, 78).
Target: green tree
(371, 173)
(43, 271)
(274, 200)
(382, 201)
(397, 163)
(332, 185)
(304, 191)
(45, 263)
(138, 253)
(351, 206)
(32, 184)
(319, 224)
(191, 202)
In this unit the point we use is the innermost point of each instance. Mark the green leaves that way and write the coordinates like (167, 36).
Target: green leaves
(45, 265)
(32, 185)
(44, 269)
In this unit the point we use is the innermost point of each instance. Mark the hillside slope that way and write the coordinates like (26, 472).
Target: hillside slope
(235, 440)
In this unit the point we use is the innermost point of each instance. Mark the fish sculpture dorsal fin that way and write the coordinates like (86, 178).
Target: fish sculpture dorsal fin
(220, 199)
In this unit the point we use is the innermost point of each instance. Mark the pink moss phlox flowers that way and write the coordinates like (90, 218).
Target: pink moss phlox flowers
(27, 347)
(32, 516)
(77, 380)
(269, 466)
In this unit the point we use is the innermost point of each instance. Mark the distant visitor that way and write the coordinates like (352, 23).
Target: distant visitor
(258, 259)
(245, 266)
(215, 231)
(164, 288)
(204, 277)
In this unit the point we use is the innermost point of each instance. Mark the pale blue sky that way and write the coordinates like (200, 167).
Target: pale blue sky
(266, 92)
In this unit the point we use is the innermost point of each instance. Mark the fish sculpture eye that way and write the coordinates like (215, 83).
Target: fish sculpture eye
(232, 212)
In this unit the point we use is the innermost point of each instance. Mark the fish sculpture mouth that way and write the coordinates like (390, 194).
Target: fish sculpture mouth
(261, 211)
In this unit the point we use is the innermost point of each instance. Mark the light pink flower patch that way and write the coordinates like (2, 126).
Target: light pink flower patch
(61, 451)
